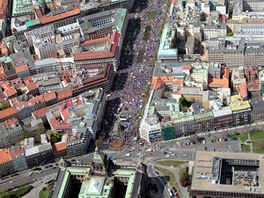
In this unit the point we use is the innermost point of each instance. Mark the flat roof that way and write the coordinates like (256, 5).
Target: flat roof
(203, 163)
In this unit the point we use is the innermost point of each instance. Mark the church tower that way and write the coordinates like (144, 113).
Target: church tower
(99, 163)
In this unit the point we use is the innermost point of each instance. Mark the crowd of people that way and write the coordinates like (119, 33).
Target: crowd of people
(137, 72)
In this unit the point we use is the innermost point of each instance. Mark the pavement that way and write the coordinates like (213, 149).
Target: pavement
(39, 185)
(175, 172)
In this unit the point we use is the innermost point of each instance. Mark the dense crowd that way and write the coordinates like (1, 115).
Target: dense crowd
(137, 73)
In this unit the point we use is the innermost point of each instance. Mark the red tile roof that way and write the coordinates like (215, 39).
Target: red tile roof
(41, 112)
(48, 19)
(37, 99)
(243, 90)
(113, 41)
(5, 155)
(226, 73)
(10, 121)
(32, 86)
(28, 80)
(218, 83)
(65, 94)
(10, 92)
(38, 13)
(59, 146)
(50, 96)
(17, 152)
(160, 80)
(14, 101)
(22, 68)
(106, 38)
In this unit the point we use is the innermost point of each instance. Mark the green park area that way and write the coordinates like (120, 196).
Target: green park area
(245, 148)
(46, 191)
(17, 192)
(242, 136)
(151, 15)
(257, 139)
(172, 163)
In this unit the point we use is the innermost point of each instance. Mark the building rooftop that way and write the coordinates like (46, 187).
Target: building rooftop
(257, 103)
(237, 103)
(5, 155)
(208, 172)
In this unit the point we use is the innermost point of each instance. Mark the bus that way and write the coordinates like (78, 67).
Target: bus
(149, 150)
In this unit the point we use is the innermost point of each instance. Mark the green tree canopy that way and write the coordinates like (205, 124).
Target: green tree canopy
(183, 101)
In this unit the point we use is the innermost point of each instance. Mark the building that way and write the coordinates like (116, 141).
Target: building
(241, 110)
(222, 174)
(10, 132)
(18, 158)
(102, 178)
(60, 150)
(103, 35)
(214, 31)
(257, 109)
(6, 165)
(39, 155)
(223, 117)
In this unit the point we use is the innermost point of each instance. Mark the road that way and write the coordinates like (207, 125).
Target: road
(161, 184)
(23, 179)
(181, 153)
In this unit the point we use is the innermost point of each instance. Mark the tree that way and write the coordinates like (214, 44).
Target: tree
(194, 138)
(24, 136)
(184, 181)
(183, 101)
(55, 136)
(230, 34)
(184, 173)
(99, 144)
(5, 105)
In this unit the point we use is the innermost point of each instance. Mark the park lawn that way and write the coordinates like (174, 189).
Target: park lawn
(242, 136)
(173, 163)
(258, 146)
(16, 192)
(169, 177)
(257, 135)
(46, 191)
(257, 138)
(151, 15)
(245, 148)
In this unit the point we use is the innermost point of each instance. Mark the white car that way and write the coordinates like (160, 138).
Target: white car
(167, 156)
(127, 155)
(185, 155)
(139, 154)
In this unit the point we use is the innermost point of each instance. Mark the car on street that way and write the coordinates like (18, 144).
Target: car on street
(127, 155)
(167, 156)
(11, 181)
(185, 155)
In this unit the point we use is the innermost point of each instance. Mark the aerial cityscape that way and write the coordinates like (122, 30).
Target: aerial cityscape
(132, 99)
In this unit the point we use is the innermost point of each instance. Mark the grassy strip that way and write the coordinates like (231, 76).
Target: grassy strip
(18, 192)
(245, 148)
(173, 163)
